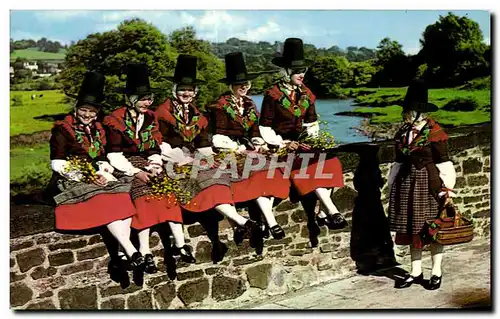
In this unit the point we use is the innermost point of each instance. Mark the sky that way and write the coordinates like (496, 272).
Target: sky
(322, 28)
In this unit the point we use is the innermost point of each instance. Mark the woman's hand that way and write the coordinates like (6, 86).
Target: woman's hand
(143, 176)
(293, 146)
(100, 181)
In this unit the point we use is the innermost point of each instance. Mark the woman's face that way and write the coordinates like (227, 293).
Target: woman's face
(297, 76)
(185, 93)
(241, 89)
(409, 116)
(86, 114)
(143, 104)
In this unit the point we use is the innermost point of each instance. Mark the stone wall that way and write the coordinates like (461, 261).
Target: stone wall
(49, 270)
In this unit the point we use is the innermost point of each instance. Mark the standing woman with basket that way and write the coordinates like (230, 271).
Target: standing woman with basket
(420, 183)
(90, 196)
(134, 149)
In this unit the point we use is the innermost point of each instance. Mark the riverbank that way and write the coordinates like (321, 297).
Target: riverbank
(468, 104)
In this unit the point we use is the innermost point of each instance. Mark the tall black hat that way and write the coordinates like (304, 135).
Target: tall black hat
(293, 55)
(138, 80)
(91, 91)
(236, 70)
(417, 98)
(185, 71)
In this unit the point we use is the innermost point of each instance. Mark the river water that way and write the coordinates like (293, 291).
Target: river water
(341, 127)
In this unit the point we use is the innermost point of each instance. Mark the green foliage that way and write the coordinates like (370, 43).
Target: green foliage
(138, 41)
(328, 75)
(454, 44)
(17, 100)
(478, 84)
(362, 73)
(29, 169)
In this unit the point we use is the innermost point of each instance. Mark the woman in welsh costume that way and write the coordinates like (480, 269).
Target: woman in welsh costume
(186, 131)
(288, 112)
(420, 182)
(87, 198)
(134, 143)
(236, 125)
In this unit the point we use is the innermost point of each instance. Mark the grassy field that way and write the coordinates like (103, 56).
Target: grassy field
(36, 54)
(30, 165)
(29, 168)
(388, 100)
(24, 110)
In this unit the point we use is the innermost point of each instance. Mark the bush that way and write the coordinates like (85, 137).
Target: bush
(18, 100)
(478, 84)
(461, 104)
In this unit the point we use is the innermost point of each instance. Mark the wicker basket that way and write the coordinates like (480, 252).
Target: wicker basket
(453, 230)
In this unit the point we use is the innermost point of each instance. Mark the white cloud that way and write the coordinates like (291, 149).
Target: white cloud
(116, 16)
(215, 19)
(487, 40)
(262, 32)
(187, 19)
(60, 15)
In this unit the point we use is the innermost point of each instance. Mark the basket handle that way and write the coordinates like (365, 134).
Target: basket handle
(458, 216)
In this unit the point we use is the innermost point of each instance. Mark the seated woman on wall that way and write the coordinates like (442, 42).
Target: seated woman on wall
(185, 131)
(235, 120)
(86, 198)
(420, 182)
(288, 112)
(134, 149)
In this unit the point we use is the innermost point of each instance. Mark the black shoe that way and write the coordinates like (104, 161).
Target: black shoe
(185, 253)
(136, 262)
(256, 239)
(218, 252)
(239, 234)
(277, 232)
(408, 281)
(314, 229)
(118, 273)
(434, 283)
(265, 231)
(314, 241)
(149, 264)
(336, 221)
(322, 221)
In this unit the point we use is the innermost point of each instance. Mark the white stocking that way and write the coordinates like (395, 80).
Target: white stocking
(178, 233)
(324, 196)
(144, 241)
(416, 261)
(120, 229)
(230, 212)
(437, 258)
(266, 206)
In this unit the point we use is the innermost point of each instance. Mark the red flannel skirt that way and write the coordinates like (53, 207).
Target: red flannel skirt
(97, 211)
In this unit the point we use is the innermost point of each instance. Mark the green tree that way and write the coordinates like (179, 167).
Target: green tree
(328, 75)
(388, 50)
(362, 73)
(133, 41)
(453, 50)
(210, 68)
(394, 67)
